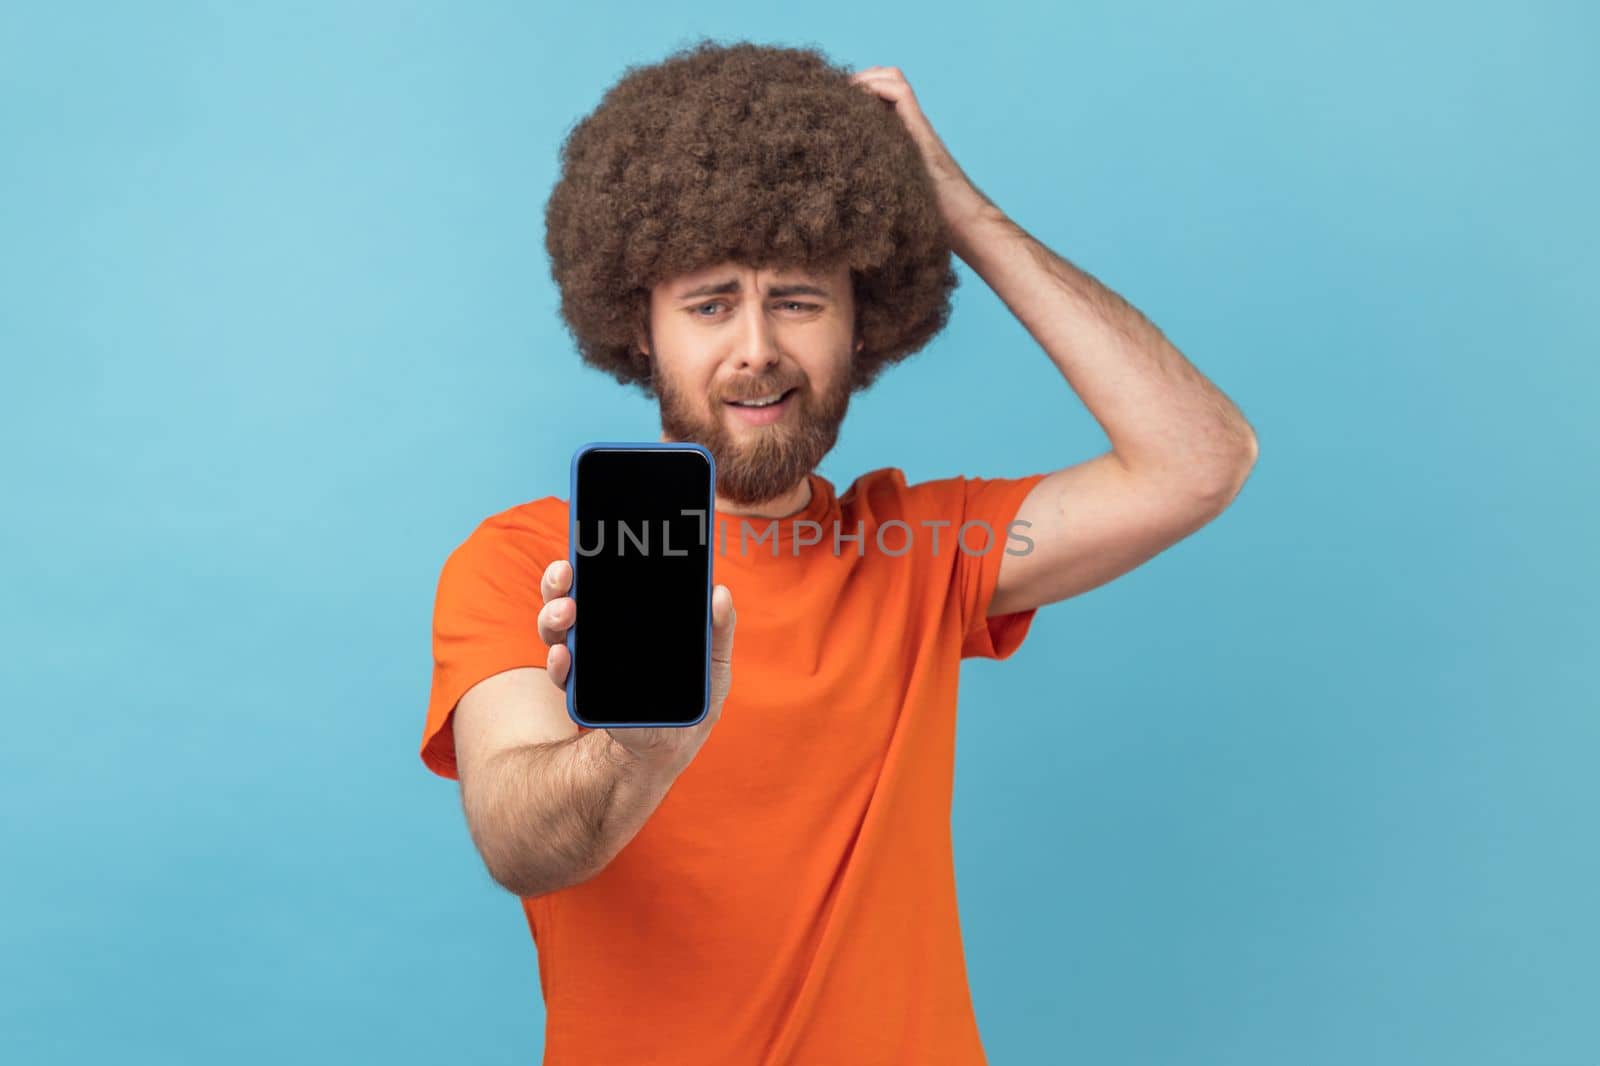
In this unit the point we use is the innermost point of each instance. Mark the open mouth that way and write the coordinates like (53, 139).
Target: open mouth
(762, 402)
(762, 411)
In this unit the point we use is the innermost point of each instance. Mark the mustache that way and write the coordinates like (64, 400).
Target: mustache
(769, 388)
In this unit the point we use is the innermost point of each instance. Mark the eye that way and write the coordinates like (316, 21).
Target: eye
(799, 304)
(701, 307)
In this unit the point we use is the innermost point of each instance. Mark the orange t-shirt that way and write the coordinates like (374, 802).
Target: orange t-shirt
(792, 899)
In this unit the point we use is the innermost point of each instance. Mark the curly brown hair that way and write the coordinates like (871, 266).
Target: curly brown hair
(762, 155)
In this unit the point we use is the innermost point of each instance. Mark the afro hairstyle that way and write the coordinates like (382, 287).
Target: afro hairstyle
(761, 155)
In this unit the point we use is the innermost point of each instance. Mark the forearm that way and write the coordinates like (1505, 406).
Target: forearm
(1160, 413)
(546, 816)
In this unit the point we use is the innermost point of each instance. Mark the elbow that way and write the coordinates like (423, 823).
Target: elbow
(526, 875)
(525, 889)
(1227, 477)
(528, 883)
(508, 862)
(517, 881)
(517, 878)
(1212, 468)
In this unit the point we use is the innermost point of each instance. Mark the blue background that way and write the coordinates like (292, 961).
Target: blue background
(1315, 785)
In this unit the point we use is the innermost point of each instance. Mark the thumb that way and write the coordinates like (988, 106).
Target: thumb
(722, 621)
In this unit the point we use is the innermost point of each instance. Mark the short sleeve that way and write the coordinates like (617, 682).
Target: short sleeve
(984, 535)
(485, 621)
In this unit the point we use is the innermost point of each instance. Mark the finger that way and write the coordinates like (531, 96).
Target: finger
(556, 581)
(722, 623)
(886, 88)
(558, 664)
(555, 618)
(880, 74)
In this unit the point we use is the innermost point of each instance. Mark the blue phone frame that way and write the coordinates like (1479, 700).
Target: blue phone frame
(572, 561)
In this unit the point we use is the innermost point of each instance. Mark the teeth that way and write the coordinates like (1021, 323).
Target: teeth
(766, 402)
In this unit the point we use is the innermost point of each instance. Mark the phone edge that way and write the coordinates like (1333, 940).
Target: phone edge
(571, 640)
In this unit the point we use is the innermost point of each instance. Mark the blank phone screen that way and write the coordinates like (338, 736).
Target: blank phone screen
(641, 558)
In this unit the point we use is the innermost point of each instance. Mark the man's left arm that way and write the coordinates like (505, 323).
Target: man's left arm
(1180, 450)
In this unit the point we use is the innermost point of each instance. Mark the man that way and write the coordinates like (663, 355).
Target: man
(752, 235)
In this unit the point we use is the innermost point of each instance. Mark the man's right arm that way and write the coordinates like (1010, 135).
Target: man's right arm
(547, 806)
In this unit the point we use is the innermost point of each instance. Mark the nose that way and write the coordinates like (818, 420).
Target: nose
(758, 346)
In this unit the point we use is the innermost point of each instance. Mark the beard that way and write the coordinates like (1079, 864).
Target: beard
(760, 463)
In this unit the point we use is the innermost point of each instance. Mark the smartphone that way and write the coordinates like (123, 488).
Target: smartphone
(639, 541)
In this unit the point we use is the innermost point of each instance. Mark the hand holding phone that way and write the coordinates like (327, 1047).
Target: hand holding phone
(671, 747)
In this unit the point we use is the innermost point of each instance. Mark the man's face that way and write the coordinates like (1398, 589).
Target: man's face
(736, 333)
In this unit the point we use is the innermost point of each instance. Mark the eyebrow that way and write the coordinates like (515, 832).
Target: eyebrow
(726, 288)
